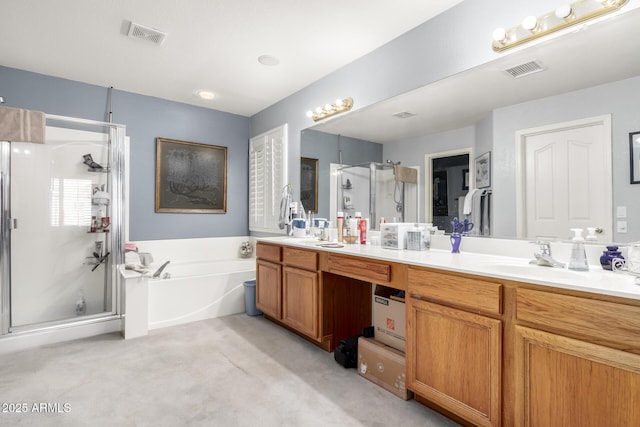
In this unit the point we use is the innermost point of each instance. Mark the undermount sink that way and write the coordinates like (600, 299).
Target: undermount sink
(532, 270)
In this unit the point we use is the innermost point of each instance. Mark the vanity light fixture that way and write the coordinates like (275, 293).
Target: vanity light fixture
(564, 16)
(340, 106)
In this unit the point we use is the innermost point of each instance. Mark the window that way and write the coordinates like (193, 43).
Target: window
(267, 178)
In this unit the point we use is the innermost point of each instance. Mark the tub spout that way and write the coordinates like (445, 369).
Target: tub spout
(159, 271)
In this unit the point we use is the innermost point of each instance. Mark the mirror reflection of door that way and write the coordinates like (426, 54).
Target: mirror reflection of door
(447, 184)
(566, 179)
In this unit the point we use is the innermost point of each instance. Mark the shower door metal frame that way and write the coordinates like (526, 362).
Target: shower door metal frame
(116, 179)
(5, 237)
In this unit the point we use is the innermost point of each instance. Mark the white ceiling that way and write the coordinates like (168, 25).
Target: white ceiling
(586, 56)
(211, 44)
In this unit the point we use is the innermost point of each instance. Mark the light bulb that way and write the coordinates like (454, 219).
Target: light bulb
(318, 110)
(339, 103)
(309, 113)
(206, 95)
(500, 35)
(328, 107)
(564, 11)
(530, 23)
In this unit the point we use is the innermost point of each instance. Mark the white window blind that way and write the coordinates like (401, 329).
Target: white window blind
(267, 178)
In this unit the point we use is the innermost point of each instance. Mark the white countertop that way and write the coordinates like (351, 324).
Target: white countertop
(596, 280)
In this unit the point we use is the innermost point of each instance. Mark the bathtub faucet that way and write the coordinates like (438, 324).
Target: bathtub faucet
(159, 271)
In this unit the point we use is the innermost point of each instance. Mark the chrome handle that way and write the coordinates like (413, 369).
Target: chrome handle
(599, 230)
(13, 223)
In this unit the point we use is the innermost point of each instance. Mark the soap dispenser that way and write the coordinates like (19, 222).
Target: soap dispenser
(578, 259)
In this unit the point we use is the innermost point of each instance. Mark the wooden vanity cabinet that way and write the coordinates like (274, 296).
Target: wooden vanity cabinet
(301, 291)
(288, 287)
(269, 288)
(454, 355)
(577, 361)
(269, 279)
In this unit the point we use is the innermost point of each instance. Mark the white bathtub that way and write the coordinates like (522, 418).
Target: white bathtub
(199, 290)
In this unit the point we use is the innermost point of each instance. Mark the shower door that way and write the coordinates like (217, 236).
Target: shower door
(64, 226)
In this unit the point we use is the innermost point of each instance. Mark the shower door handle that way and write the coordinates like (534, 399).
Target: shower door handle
(13, 223)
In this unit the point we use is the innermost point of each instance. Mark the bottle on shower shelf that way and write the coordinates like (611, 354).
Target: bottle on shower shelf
(81, 305)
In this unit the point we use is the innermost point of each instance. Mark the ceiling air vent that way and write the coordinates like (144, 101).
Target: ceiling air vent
(137, 31)
(525, 69)
(403, 115)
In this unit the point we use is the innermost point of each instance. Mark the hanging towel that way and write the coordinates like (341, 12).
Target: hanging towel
(405, 174)
(486, 214)
(476, 211)
(19, 125)
(468, 201)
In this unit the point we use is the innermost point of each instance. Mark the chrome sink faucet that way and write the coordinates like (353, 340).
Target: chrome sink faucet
(543, 257)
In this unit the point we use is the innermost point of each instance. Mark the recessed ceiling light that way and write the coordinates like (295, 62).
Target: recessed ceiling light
(268, 60)
(206, 95)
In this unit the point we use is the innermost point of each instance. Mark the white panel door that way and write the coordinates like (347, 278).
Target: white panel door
(566, 181)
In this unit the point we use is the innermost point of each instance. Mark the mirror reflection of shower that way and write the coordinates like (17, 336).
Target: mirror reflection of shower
(398, 193)
(379, 191)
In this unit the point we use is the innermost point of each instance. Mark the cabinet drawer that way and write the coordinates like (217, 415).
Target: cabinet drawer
(269, 252)
(602, 320)
(475, 294)
(300, 258)
(360, 268)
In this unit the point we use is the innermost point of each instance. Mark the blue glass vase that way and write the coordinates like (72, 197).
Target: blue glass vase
(608, 255)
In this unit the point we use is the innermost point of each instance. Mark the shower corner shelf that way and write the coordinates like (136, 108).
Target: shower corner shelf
(99, 170)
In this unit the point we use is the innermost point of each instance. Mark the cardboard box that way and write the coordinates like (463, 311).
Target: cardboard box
(384, 366)
(389, 319)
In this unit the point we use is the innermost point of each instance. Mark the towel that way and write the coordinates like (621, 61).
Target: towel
(476, 212)
(18, 125)
(405, 174)
(468, 200)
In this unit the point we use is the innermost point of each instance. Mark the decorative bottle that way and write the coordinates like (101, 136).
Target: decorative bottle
(609, 255)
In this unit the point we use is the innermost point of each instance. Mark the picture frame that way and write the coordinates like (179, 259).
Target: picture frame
(309, 184)
(483, 170)
(465, 179)
(190, 177)
(634, 156)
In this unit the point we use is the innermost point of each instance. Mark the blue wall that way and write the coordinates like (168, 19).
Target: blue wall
(147, 118)
(326, 148)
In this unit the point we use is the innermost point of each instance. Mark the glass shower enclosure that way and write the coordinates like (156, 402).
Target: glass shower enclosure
(374, 190)
(62, 225)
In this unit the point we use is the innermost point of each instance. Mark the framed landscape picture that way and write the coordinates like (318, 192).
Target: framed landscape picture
(190, 177)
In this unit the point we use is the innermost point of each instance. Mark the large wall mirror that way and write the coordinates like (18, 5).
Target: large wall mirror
(592, 73)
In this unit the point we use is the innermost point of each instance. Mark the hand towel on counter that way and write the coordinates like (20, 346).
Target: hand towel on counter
(19, 125)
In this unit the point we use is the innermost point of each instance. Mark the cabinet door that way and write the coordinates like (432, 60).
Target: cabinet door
(300, 301)
(269, 288)
(566, 382)
(454, 360)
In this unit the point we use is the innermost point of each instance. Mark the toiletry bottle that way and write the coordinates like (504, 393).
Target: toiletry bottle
(362, 227)
(358, 220)
(81, 305)
(340, 220)
(578, 259)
